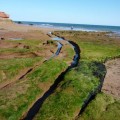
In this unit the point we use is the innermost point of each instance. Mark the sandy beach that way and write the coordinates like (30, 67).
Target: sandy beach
(12, 30)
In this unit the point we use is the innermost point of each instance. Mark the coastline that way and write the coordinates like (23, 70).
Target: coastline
(21, 27)
(75, 27)
(22, 30)
(37, 41)
(9, 30)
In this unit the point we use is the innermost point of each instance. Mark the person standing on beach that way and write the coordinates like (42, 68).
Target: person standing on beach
(72, 28)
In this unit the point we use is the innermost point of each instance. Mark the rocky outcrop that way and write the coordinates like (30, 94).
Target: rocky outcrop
(3, 15)
(4, 18)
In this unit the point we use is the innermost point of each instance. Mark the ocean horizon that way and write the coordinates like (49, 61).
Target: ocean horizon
(77, 27)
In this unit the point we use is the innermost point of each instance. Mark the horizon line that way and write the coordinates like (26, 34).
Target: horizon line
(69, 23)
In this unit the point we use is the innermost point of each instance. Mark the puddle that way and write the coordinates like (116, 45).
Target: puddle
(16, 38)
(57, 38)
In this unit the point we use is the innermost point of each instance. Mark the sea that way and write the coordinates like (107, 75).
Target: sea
(76, 27)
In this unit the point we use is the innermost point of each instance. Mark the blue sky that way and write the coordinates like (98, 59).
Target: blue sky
(101, 12)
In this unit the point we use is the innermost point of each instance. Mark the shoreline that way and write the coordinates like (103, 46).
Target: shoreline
(75, 27)
(11, 30)
(22, 28)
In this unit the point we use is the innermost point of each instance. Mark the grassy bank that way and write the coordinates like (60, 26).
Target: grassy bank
(17, 57)
(104, 107)
(9, 68)
(76, 87)
(95, 46)
(65, 103)
(25, 92)
(70, 96)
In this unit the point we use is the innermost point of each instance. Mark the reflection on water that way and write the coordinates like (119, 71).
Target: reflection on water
(16, 38)
(57, 38)
(59, 48)
(74, 46)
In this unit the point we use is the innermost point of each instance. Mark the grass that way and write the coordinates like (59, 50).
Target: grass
(95, 46)
(66, 101)
(98, 52)
(23, 93)
(14, 50)
(70, 53)
(33, 46)
(104, 107)
(66, 53)
(78, 84)
(17, 98)
(9, 68)
(48, 71)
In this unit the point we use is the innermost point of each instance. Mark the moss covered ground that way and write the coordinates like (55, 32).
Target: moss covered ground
(76, 87)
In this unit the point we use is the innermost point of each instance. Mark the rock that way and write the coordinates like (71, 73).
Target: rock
(19, 22)
(51, 51)
(2, 38)
(3, 15)
(27, 47)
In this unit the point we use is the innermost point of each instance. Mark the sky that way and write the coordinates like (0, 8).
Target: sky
(97, 12)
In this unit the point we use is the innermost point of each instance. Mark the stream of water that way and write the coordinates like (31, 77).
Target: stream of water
(38, 104)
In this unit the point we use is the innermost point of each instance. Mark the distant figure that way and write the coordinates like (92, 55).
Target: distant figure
(72, 28)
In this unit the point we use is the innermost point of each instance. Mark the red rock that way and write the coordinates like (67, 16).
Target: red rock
(3, 15)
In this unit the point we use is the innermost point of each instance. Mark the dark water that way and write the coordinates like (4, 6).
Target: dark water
(75, 47)
(66, 26)
(38, 104)
(59, 48)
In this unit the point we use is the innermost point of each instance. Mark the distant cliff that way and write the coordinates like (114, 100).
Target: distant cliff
(3, 15)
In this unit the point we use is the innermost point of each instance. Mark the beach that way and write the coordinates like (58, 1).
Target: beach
(34, 68)
(14, 30)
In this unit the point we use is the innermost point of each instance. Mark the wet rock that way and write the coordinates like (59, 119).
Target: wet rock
(2, 38)
(27, 47)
